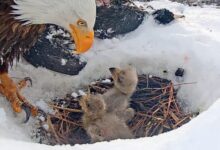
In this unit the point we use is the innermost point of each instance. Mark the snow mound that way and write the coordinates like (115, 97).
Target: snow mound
(192, 43)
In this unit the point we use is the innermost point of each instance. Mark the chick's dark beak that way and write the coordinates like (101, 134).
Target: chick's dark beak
(112, 70)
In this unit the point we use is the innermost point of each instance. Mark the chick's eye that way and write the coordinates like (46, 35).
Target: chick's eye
(81, 23)
(123, 73)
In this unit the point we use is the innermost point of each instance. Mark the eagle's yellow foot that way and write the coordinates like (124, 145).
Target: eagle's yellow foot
(12, 93)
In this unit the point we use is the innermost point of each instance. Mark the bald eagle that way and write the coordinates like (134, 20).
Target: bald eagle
(22, 22)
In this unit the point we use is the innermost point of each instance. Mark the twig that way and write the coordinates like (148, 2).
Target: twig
(52, 128)
(67, 109)
(71, 122)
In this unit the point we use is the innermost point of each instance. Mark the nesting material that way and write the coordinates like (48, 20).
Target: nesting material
(155, 103)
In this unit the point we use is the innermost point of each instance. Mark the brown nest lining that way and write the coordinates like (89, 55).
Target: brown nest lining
(154, 101)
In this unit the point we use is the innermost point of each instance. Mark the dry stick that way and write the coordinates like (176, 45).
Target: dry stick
(62, 138)
(138, 124)
(63, 135)
(62, 122)
(150, 116)
(187, 117)
(189, 83)
(66, 120)
(177, 108)
(154, 112)
(61, 126)
(175, 118)
(52, 128)
(170, 109)
(164, 91)
(67, 109)
(153, 98)
(169, 103)
(170, 100)
(68, 128)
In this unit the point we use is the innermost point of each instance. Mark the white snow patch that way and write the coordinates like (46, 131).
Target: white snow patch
(75, 95)
(63, 62)
(106, 81)
(81, 93)
(43, 105)
(192, 44)
(46, 127)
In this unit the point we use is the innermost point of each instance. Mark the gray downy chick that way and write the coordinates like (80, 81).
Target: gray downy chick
(118, 98)
(99, 125)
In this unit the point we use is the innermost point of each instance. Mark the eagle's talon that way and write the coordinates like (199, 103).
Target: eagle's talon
(29, 79)
(42, 115)
(12, 93)
(23, 83)
(27, 111)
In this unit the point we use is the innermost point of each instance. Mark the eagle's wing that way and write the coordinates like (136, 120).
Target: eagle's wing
(15, 37)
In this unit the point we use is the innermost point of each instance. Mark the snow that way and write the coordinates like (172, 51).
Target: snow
(150, 76)
(81, 93)
(201, 133)
(192, 44)
(75, 95)
(9, 129)
(106, 81)
(2, 116)
(63, 62)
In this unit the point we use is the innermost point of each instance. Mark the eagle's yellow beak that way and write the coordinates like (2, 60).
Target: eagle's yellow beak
(83, 39)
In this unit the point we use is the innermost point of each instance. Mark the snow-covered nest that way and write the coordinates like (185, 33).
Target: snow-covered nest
(156, 111)
(192, 43)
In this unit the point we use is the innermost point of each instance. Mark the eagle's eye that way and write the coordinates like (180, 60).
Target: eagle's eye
(81, 23)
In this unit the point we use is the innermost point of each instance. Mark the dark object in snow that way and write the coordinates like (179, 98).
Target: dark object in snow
(165, 71)
(117, 20)
(52, 52)
(155, 103)
(179, 72)
(163, 16)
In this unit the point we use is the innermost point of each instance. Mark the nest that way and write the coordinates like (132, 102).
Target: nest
(155, 103)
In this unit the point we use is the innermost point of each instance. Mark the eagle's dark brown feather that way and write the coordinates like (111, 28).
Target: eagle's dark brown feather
(15, 38)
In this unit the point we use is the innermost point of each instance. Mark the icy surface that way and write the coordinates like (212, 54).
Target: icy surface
(192, 43)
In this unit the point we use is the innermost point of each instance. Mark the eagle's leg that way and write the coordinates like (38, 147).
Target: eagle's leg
(34, 110)
(11, 91)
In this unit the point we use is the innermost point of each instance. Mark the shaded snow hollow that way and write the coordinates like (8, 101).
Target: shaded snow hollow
(192, 43)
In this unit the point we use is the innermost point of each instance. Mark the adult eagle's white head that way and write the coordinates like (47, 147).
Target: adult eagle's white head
(76, 16)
